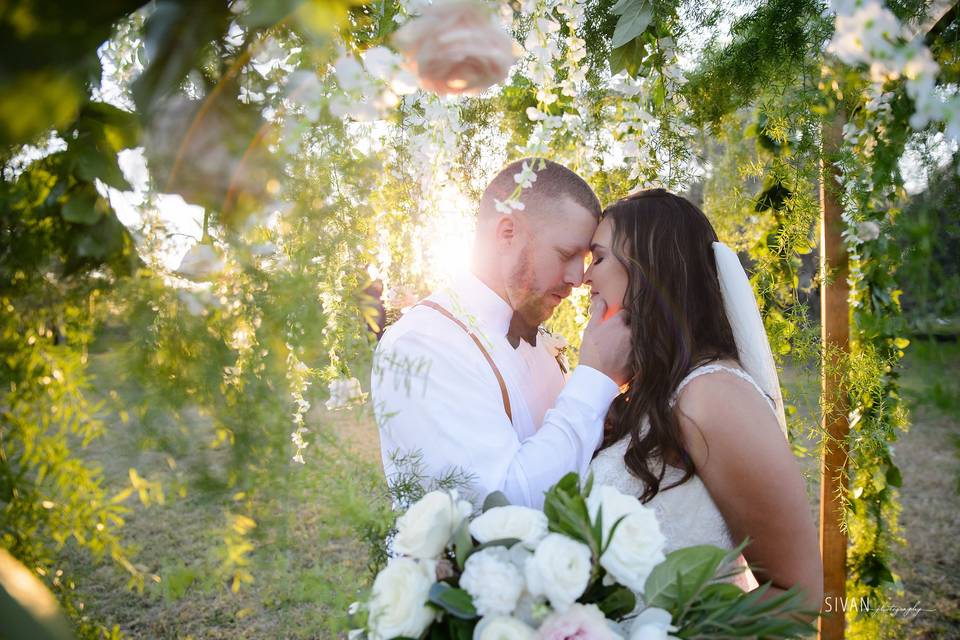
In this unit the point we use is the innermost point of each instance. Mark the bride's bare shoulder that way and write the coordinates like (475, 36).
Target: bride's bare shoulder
(720, 405)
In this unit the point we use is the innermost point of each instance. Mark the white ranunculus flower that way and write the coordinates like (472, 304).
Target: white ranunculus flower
(637, 544)
(201, 262)
(559, 569)
(502, 628)
(426, 528)
(511, 521)
(493, 580)
(652, 624)
(343, 391)
(398, 603)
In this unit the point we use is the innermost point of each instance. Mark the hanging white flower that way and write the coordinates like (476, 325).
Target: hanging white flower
(343, 392)
(526, 176)
(201, 262)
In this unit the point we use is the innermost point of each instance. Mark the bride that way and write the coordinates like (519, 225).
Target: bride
(699, 435)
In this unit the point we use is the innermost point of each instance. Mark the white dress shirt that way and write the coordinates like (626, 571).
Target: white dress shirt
(436, 396)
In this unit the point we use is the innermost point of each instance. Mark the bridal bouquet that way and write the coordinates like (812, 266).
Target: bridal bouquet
(573, 570)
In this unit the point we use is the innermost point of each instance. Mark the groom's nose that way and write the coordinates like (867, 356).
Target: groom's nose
(574, 274)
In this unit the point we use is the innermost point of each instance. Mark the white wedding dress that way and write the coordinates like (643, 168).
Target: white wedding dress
(687, 514)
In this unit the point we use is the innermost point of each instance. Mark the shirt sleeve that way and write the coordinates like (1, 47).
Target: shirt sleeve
(449, 412)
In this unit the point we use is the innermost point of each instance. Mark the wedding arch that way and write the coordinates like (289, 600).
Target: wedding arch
(324, 172)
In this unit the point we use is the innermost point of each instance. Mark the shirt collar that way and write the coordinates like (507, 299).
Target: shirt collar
(482, 302)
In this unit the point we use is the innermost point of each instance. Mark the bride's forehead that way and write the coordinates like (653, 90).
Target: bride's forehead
(603, 233)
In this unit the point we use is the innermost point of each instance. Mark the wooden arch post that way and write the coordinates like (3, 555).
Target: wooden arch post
(835, 333)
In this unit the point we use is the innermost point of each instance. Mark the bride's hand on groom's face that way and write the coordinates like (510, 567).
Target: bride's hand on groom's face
(606, 343)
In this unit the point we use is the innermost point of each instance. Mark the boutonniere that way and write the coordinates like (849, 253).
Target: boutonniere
(556, 345)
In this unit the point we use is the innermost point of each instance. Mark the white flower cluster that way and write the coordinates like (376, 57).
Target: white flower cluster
(547, 51)
(298, 375)
(203, 261)
(868, 33)
(860, 193)
(343, 393)
(371, 84)
(432, 131)
(546, 47)
(528, 589)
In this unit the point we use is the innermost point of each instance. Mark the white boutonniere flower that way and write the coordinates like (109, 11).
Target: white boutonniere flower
(556, 345)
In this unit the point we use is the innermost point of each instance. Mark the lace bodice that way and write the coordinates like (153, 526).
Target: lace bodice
(687, 514)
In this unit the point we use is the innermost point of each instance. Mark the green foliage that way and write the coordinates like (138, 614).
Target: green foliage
(217, 374)
(49, 60)
(684, 585)
(927, 237)
(455, 602)
(772, 46)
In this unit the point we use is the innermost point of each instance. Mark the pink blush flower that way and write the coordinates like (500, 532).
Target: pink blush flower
(579, 622)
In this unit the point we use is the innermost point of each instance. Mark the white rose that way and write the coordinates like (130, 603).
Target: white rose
(652, 624)
(511, 521)
(201, 262)
(502, 628)
(493, 580)
(455, 48)
(426, 528)
(637, 545)
(398, 604)
(559, 569)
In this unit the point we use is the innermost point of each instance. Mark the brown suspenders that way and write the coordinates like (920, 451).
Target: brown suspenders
(503, 385)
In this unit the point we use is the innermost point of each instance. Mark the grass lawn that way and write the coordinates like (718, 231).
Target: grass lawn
(309, 557)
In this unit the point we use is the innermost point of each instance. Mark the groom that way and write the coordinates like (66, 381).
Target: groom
(466, 382)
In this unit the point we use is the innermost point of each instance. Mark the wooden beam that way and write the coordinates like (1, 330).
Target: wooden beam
(835, 331)
(939, 15)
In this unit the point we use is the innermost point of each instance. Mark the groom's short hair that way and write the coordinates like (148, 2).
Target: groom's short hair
(553, 181)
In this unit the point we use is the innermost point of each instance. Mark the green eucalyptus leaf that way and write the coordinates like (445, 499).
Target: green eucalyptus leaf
(456, 602)
(894, 477)
(462, 543)
(495, 499)
(682, 573)
(627, 58)
(175, 34)
(499, 542)
(634, 20)
(618, 603)
(83, 206)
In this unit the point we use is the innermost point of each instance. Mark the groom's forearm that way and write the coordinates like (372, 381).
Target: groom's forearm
(570, 433)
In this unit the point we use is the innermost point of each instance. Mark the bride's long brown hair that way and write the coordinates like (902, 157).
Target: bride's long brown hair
(677, 321)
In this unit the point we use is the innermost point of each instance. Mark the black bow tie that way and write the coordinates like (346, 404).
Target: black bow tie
(520, 330)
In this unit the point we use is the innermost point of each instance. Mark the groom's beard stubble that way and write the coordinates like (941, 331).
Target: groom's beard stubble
(532, 306)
